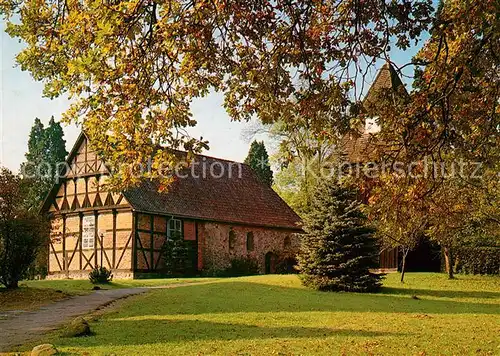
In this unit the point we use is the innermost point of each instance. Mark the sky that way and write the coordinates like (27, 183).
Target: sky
(21, 101)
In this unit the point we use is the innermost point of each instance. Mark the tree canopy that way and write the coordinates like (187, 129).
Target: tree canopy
(133, 67)
(454, 107)
(22, 232)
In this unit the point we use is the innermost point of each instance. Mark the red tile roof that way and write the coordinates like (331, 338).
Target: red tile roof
(237, 196)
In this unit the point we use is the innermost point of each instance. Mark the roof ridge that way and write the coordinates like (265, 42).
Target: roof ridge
(203, 155)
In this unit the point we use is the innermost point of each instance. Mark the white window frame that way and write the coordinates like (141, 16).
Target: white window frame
(88, 237)
(176, 228)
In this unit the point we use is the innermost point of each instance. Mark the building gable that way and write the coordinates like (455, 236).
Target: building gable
(84, 161)
(82, 182)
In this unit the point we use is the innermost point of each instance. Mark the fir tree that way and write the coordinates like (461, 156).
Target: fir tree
(55, 143)
(258, 160)
(338, 247)
(46, 149)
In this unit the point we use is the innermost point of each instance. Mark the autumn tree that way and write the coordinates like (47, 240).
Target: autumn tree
(46, 152)
(399, 214)
(449, 220)
(454, 107)
(451, 116)
(22, 233)
(486, 194)
(258, 160)
(132, 68)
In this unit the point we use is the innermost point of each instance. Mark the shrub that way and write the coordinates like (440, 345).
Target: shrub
(286, 264)
(100, 275)
(478, 260)
(38, 269)
(243, 266)
(178, 255)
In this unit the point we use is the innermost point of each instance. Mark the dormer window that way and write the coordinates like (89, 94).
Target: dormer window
(371, 125)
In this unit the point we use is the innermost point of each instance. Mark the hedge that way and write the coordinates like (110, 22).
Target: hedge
(478, 260)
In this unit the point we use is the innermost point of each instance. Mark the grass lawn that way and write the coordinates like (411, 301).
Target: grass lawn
(77, 286)
(264, 315)
(34, 294)
(28, 298)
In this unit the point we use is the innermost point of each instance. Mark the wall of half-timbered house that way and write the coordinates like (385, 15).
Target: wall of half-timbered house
(151, 233)
(91, 226)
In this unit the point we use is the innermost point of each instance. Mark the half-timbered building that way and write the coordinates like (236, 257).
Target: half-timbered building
(219, 205)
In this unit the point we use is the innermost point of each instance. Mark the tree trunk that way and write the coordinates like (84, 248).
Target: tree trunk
(12, 285)
(448, 258)
(403, 265)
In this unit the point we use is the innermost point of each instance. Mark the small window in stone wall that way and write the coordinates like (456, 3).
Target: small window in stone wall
(250, 242)
(288, 242)
(174, 228)
(232, 239)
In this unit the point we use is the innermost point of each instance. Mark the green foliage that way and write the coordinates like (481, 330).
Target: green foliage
(39, 268)
(258, 160)
(338, 247)
(243, 266)
(178, 255)
(22, 233)
(303, 156)
(478, 260)
(46, 151)
(292, 187)
(100, 275)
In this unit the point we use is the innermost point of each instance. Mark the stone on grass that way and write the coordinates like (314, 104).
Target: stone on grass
(44, 350)
(78, 327)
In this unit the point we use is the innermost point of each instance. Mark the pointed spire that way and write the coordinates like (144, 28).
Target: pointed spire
(387, 78)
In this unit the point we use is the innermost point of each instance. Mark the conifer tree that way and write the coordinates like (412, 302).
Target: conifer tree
(338, 247)
(258, 160)
(55, 143)
(46, 149)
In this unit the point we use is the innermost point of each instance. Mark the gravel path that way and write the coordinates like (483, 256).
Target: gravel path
(26, 326)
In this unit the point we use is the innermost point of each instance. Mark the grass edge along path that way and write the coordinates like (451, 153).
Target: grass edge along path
(34, 294)
(28, 326)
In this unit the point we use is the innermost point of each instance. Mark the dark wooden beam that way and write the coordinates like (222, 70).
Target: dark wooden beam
(151, 253)
(114, 239)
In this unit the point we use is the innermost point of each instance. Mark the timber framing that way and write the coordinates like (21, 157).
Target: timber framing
(79, 195)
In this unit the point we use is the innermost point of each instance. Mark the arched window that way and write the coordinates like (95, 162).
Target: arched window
(250, 242)
(288, 242)
(232, 239)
